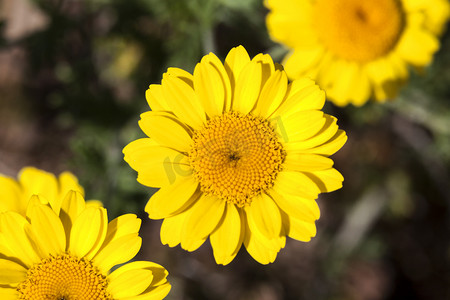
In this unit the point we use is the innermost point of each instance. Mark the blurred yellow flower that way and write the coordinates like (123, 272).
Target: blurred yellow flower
(239, 155)
(68, 255)
(357, 49)
(15, 194)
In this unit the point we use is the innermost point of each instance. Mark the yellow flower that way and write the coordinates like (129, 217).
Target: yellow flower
(357, 49)
(15, 194)
(239, 155)
(68, 254)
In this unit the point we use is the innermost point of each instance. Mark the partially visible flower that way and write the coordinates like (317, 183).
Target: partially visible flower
(15, 194)
(239, 154)
(357, 49)
(69, 255)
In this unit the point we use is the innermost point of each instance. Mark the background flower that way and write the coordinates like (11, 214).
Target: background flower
(357, 50)
(15, 194)
(68, 253)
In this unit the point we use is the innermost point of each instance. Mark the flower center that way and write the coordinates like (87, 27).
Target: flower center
(236, 157)
(359, 30)
(63, 277)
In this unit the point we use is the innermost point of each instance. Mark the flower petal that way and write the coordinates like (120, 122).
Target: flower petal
(172, 227)
(298, 207)
(296, 184)
(183, 101)
(331, 146)
(11, 272)
(11, 195)
(299, 229)
(227, 239)
(130, 282)
(71, 207)
(212, 85)
(327, 180)
(248, 87)
(15, 240)
(121, 226)
(166, 130)
(119, 251)
(264, 216)
(272, 94)
(157, 166)
(203, 219)
(88, 232)
(172, 199)
(306, 162)
(46, 225)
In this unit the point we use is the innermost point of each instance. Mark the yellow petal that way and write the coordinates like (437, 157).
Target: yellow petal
(38, 182)
(299, 229)
(121, 226)
(71, 207)
(306, 162)
(8, 293)
(260, 248)
(227, 239)
(326, 133)
(11, 195)
(153, 293)
(119, 251)
(11, 272)
(157, 166)
(299, 126)
(129, 283)
(298, 207)
(172, 228)
(272, 94)
(267, 67)
(14, 238)
(331, 146)
(67, 182)
(46, 225)
(264, 216)
(296, 184)
(235, 61)
(183, 101)
(248, 87)
(166, 130)
(417, 46)
(327, 180)
(172, 199)
(155, 98)
(212, 85)
(88, 232)
(203, 219)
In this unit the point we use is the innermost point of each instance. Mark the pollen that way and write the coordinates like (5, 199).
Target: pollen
(64, 277)
(359, 30)
(236, 157)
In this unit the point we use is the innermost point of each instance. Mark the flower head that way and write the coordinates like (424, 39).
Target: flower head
(357, 50)
(15, 194)
(239, 155)
(69, 254)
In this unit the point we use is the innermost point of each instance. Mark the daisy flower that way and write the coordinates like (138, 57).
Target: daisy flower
(239, 155)
(15, 194)
(69, 254)
(357, 49)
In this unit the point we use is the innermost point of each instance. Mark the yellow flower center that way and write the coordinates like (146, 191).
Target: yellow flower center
(64, 277)
(359, 30)
(236, 157)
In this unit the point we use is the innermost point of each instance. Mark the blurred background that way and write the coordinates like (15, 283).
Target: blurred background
(73, 75)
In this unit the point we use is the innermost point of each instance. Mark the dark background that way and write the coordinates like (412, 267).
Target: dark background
(73, 75)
